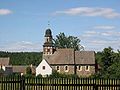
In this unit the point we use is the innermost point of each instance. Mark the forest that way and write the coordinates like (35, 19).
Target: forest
(23, 58)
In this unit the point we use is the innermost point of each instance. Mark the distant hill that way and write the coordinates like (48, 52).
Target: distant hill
(23, 58)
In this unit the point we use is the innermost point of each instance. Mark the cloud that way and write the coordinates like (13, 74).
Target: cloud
(5, 11)
(88, 34)
(105, 43)
(98, 44)
(99, 39)
(91, 32)
(22, 46)
(88, 11)
(103, 27)
(102, 30)
(111, 33)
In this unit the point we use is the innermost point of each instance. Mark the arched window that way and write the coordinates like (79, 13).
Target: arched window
(79, 68)
(58, 68)
(66, 68)
(87, 68)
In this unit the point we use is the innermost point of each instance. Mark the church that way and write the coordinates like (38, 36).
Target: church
(66, 61)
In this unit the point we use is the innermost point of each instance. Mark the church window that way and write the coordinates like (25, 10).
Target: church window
(43, 67)
(66, 68)
(57, 68)
(48, 50)
(87, 68)
(47, 39)
(79, 68)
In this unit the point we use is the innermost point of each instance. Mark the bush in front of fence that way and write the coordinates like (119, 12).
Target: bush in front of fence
(55, 74)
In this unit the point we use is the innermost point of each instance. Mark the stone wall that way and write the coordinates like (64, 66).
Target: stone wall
(82, 73)
(85, 73)
(62, 69)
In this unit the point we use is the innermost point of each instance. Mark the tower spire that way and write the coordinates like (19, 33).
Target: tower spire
(48, 48)
(48, 24)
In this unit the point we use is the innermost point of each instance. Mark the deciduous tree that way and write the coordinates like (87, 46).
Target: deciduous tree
(63, 41)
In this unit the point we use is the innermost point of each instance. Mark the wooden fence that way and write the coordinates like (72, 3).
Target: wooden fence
(22, 83)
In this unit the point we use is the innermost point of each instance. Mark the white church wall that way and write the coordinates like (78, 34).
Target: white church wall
(43, 68)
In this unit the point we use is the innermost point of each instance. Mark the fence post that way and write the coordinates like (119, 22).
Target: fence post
(95, 87)
(22, 83)
(2, 84)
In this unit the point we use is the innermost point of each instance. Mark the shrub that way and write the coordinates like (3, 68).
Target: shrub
(28, 70)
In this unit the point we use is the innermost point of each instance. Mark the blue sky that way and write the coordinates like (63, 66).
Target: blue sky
(23, 23)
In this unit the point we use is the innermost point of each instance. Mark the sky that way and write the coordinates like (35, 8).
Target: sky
(23, 23)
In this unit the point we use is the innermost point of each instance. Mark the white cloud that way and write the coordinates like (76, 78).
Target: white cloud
(101, 30)
(91, 32)
(106, 34)
(22, 46)
(111, 33)
(106, 43)
(104, 27)
(99, 44)
(88, 34)
(5, 11)
(88, 11)
(98, 40)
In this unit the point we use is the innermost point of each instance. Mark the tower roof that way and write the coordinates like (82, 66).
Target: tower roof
(48, 33)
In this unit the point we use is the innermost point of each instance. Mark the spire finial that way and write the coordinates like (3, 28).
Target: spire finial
(48, 23)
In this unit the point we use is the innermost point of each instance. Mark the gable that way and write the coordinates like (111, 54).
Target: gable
(44, 62)
(43, 68)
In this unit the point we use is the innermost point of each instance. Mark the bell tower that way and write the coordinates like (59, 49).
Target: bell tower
(48, 48)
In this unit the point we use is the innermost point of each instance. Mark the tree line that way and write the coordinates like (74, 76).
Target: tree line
(23, 58)
(108, 63)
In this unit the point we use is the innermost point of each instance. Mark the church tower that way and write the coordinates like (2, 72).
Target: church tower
(48, 48)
